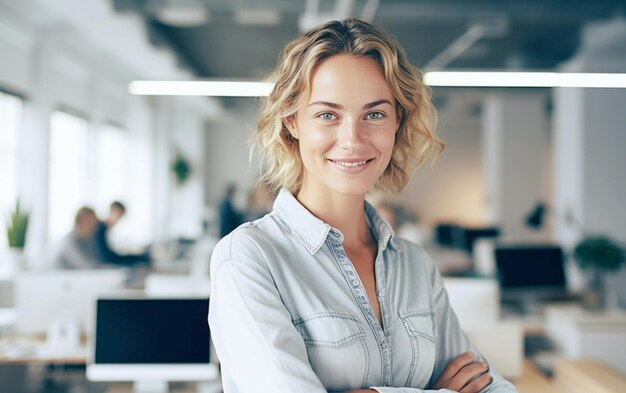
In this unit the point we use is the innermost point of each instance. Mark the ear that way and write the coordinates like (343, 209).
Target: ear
(290, 123)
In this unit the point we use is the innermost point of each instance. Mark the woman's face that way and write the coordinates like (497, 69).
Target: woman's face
(347, 128)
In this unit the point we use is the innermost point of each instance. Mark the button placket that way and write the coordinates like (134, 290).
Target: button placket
(358, 290)
(382, 299)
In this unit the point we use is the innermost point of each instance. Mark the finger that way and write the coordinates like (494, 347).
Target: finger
(455, 366)
(467, 374)
(478, 384)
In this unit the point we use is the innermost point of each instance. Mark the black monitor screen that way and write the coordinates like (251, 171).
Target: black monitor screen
(151, 331)
(530, 267)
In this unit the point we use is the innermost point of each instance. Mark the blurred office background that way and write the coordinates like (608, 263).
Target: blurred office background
(528, 174)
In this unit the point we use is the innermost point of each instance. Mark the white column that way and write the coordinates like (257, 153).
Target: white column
(34, 186)
(161, 108)
(515, 147)
(590, 140)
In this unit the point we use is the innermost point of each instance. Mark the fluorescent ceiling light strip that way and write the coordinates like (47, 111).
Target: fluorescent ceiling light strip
(524, 79)
(435, 78)
(200, 88)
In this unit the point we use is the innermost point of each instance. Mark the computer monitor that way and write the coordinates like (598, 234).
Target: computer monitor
(530, 272)
(444, 233)
(151, 341)
(465, 237)
(46, 297)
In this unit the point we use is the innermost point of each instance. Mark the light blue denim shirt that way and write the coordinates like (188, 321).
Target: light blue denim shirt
(289, 313)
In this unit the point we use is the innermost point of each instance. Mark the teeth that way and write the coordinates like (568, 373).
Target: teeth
(351, 163)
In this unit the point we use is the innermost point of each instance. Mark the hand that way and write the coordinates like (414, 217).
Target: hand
(464, 375)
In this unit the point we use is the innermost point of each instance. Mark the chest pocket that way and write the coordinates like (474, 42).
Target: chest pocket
(420, 329)
(337, 350)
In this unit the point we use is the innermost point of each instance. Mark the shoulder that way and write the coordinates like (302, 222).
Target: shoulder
(249, 243)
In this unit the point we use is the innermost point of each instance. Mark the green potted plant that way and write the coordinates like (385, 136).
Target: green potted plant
(17, 227)
(600, 256)
(181, 168)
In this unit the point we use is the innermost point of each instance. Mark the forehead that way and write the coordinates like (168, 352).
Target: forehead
(346, 79)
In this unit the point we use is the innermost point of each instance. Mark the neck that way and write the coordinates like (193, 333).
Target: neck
(341, 211)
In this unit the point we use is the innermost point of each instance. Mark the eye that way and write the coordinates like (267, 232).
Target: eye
(327, 116)
(375, 116)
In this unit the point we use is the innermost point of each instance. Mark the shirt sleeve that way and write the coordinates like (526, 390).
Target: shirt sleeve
(259, 348)
(452, 341)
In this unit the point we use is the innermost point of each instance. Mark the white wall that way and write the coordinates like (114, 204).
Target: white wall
(453, 189)
(187, 200)
(516, 142)
(605, 161)
(227, 151)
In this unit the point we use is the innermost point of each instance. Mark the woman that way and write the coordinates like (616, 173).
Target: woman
(318, 295)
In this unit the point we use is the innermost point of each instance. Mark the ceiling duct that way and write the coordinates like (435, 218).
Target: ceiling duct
(488, 26)
(344, 9)
(180, 13)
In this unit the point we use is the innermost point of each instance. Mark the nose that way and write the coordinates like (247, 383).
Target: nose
(350, 134)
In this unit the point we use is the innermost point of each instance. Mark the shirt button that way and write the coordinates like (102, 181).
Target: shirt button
(355, 282)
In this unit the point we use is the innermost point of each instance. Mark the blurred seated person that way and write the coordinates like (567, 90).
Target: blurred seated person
(230, 218)
(106, 254)
(78, 249)
(260, 201)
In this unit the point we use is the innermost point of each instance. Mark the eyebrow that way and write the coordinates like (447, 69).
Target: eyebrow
(337, 106)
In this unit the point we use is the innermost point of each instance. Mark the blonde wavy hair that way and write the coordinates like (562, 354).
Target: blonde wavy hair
(415, 140)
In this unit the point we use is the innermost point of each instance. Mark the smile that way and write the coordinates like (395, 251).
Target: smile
(343, 163)
(352, 166)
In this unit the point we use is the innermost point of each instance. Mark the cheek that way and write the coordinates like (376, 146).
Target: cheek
(314, 140)
(386, 142)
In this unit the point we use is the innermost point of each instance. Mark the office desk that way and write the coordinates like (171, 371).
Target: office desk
(588, 375)
(581, 333)
(33, 350)
(533, 381)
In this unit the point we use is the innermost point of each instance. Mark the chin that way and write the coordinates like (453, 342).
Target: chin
(346, 188)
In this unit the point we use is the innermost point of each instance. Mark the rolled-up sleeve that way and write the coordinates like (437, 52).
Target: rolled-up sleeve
(259, 348)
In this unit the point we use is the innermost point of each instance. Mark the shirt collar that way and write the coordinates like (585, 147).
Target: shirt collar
(312, 231)
(381, 228)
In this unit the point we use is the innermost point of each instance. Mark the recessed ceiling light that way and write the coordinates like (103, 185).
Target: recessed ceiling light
(524, 79)
(436, 79)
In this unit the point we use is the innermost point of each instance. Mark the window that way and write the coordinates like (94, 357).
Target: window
(68, 172)
(113, 167)
(10, 119)
(126, 180)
